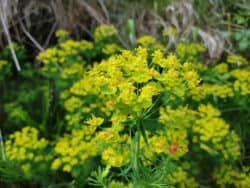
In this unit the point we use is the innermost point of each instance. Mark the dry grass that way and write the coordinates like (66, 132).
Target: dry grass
(33, 22)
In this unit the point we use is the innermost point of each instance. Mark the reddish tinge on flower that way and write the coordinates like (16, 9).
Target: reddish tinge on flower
(108, 134)
(173, 148)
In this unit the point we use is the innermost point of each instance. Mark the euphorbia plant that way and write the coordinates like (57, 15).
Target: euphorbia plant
(139, 117)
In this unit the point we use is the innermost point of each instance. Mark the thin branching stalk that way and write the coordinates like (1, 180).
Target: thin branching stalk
(3, 17)
(93, 13)
(105, 10)
(38, 46)
(53, 28)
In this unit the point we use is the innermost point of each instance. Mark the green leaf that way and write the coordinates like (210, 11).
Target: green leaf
(131, 31)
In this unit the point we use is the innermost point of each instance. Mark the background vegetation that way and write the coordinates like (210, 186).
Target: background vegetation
(125, 93)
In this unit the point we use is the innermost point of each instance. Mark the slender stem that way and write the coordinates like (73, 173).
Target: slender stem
(136, 154)
(2, 146)
(146, 113)
(3, 18)
(232, 109)
(38, 46)
(105, 10)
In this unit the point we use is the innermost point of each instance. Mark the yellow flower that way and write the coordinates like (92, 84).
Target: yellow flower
(56, 164)
(115, 156)
(110, 49)
(95, 121)
(61, 33)
(26, 168)
(25, 145)
(150, 43)
(72, 104)
(221, 68)
(237, 59)
(67, 168)
(2, 64)
(104, 31)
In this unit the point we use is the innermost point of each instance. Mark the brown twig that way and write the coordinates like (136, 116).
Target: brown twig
(25, 31)
(92, 12)
(3, 17)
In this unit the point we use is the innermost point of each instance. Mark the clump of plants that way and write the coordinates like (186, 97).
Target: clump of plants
(136, 117)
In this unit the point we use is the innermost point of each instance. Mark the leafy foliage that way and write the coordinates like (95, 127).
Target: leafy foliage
(98, 114)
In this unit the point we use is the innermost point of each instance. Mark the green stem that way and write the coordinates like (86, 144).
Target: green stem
(137, 150)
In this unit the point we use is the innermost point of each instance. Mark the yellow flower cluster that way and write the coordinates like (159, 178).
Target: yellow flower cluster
(126, 84)
(116, 155)
(24, 146)
(66, 59)
(242, 82)
(228, 176)
(61, 33)
(109, 102)
(173, 118)
(2, 64)
(189, 52)
(169, 62)
(221, 91)
(150, 43)
(170, 31)
(104, 32)
(173, 143)
(119, 88)
(221, 68)
(110, 49)
(74, 149)
(237, 59)
(70, 59)
(5, 69)
(210, 133)
(75, 70)
(181, 178)
(225, 82)
(213, 134)
(72, 104)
